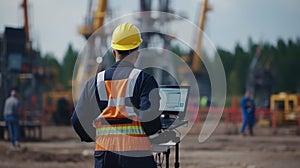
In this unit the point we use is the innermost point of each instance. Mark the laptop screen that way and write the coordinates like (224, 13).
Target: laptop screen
(173, 99)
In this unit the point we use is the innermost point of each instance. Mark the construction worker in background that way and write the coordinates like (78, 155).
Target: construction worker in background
(11, 115)
(127, 106)
(248, 113)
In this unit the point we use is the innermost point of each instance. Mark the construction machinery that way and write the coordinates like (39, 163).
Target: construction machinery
(286, 107)
(91, 59)
(57, 104)
(20, 70)
(260, 79)
(196, 58)
(43, 106)
(95, 19)
(282, 108)
(57, 107)
(260, 83)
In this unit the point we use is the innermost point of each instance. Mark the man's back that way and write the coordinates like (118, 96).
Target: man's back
(11, 106)
(125, 118)
(140, 88)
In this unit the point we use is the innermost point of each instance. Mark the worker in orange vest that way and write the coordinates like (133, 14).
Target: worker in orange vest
(122, 102)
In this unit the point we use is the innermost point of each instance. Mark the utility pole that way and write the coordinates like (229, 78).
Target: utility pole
(196, 63)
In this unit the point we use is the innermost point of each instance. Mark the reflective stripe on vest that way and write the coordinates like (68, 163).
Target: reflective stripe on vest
(115, 92)
(121, 136)
(101, 86)
(129, 91)
(128, 130)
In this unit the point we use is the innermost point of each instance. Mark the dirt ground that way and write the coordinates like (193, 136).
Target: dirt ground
(60, 148)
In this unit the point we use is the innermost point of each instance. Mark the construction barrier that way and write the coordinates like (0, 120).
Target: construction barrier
(264, 117)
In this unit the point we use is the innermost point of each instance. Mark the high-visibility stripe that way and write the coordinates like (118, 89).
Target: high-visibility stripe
(128, 130)
(116, 102)
(119, 135)
(122, 142)
(130, 111)
(132, 80)
(101, 86)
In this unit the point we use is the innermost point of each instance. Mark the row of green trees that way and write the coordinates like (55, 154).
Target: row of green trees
(60, 74)
(281, 59)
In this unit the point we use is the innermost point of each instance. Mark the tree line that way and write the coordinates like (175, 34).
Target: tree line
(282, 60)
(59, 75)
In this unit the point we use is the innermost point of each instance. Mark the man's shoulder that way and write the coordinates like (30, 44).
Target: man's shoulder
(12, 98)
(145, 74)
(89, 84)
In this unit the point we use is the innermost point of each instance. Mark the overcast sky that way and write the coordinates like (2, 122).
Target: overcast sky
(54, 23)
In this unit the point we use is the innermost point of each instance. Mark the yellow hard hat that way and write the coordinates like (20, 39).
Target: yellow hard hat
(126, 37)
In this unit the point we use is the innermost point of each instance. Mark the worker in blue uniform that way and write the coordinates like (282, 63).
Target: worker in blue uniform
(248, 113)
(122, 104)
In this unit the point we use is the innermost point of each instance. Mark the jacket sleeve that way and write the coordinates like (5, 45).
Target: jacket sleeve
(79, 129)
(149, 106)
(86, 110)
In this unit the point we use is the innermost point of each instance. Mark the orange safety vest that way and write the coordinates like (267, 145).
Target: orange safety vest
(127, 136)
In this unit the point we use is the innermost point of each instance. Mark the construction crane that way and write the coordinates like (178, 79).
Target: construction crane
(94, 20)
(24, 5)
(196, 61)
(152, 26)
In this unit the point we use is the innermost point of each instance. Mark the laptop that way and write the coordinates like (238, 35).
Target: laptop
(173, 105)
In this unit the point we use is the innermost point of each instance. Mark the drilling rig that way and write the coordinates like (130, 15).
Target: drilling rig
(95, 19)
(20, 65)
(92, 58)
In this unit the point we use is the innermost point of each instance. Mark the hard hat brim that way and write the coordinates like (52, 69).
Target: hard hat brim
(125, 47)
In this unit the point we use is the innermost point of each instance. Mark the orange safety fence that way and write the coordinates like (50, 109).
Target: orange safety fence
(232, 117)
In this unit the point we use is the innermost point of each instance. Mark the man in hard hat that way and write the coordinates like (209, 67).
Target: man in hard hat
(126, 111)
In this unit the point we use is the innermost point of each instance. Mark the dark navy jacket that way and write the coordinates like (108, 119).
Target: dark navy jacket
(145, 100)
(248, 108)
